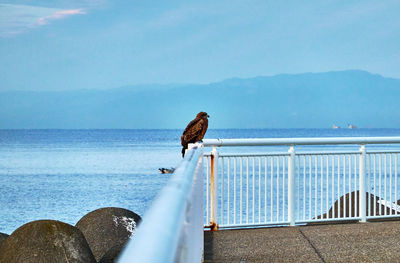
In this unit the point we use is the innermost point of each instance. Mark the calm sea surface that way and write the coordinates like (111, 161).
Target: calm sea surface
(64, 174)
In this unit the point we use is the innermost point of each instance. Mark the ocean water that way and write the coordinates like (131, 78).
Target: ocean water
(64, 174)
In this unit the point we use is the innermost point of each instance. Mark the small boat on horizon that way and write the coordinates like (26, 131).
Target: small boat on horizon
(335, 127)
(351, 126)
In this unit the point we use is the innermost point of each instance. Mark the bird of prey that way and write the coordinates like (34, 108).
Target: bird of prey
(195, 130)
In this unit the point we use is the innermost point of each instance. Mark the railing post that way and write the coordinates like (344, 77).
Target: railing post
(291, 186)
(362, 197)
(214, 189)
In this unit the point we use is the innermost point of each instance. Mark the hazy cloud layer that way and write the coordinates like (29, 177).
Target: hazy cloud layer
(59, 15)
(63, 4)
(16, 19)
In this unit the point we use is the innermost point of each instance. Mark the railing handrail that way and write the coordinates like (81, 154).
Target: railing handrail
(300, 141)
(158, 238)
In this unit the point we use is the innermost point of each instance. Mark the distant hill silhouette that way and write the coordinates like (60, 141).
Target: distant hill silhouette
(310, 100)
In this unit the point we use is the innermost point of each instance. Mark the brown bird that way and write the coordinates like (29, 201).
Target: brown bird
(195, 130)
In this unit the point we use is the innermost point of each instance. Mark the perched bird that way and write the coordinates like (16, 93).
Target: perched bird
(195, 130)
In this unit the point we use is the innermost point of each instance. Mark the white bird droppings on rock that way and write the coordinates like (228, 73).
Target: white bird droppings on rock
(127, 222)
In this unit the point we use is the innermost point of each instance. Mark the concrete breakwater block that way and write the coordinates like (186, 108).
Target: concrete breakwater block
(2, 237)
(348, 206)
(46, 241)
(107, 227)
(112, 254)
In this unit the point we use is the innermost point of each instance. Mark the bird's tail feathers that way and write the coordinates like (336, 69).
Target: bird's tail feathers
(183, 151)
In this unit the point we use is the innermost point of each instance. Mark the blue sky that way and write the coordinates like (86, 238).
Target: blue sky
(102, 44)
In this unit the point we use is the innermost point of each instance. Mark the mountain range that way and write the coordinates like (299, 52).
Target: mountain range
(309, 100)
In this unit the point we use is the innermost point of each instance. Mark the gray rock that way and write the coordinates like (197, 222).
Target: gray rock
(2, 237)
(112, 254)
(341, 207)
(107, 227)
(46, 241)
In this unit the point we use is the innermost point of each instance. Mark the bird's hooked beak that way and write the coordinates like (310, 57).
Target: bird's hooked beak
(208, 116)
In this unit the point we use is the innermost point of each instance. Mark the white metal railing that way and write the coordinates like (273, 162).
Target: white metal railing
(298, 186)
(172, 228)
(266, 188)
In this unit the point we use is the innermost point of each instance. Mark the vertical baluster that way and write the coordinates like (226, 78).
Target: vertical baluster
(277, 187)
(241, 191)
(350, 196)
(327, 186)
(247, 189)
(207, 191)
(375, 192)
(254, 197)
(309, 188)
(356, 208)
(380, 182)
(369, 185)
(284, 188)
(265, 190)
(298, 185)
(338, 187)
(362, 195)
(259, 190)
(344, 187)
(322, 185)
(222, 189)
(272, 188)
(234, 189)
(291, 189)
(316, 185)
(333, 187)
(390, 182)
(229, 190)
(395, 180)
(385, 165)
(304, 187)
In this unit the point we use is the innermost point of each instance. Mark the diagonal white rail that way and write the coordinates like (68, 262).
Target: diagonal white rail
(297, 186)
(267, 188)
(172, 228)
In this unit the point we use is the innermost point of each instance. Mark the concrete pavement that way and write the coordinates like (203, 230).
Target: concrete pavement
(355, 242)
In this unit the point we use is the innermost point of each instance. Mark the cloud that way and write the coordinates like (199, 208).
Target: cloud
(17, 19)
(59, 15)
(62, 4)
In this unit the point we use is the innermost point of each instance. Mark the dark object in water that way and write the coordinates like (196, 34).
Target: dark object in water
(195, 130)
(166, 170)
